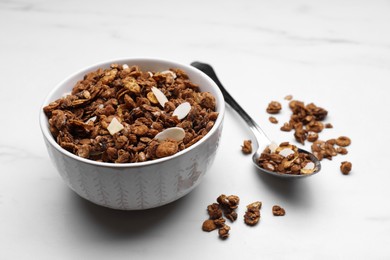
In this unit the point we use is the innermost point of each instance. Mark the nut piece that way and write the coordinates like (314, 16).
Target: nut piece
(115, 126)
(274, 107)
(278, 211)
(288, 97)
(252, 214)
(246, 148)
(209, 225)
(346, 167)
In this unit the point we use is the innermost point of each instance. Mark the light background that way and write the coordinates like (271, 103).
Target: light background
(333, 53)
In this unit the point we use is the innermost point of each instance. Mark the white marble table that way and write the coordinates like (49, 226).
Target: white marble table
(333, 53)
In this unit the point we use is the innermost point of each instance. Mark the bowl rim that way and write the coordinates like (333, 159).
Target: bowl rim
(43, 121)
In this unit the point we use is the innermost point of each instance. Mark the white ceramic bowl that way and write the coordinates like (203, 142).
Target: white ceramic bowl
(134, 186)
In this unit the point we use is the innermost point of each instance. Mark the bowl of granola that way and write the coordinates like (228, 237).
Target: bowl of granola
(133, 133)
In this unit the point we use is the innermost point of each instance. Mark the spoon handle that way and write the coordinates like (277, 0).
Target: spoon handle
(257, 131)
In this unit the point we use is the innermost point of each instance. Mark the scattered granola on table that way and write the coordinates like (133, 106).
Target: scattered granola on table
(246, 148)
(116, 114)
(225, 207)
(274, 107)
(278, 211)
(229, 205)
(273, 120)
(286, 159)
(346, 167)
(252, 214)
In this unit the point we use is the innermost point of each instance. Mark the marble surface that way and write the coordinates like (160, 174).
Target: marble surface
(333, 53)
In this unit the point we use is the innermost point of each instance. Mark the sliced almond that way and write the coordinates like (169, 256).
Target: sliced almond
(286, 152)
(92, 119)
(169, 72)
(182, 110)
(273, 147)
(115, 126)
(309, 168)
(162, 99)
(175, 133)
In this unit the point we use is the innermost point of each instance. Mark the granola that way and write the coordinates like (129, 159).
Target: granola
(286, 159)
(252, 214)
(115, 115)
(246, 148)
(345, 167)
(278, 211)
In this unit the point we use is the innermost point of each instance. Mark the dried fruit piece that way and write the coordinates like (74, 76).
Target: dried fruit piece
(278, 211)
(174, 133)
(246, 148)
(182, 110)
(346, 167)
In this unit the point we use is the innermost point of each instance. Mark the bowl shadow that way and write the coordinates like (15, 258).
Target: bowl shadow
(121, 224)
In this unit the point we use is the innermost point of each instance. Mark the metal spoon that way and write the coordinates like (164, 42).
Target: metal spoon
(260, 136)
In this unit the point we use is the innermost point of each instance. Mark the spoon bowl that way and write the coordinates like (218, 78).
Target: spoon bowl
(261, 140)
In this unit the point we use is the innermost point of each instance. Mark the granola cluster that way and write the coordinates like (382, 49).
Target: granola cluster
(125, 115)
(307, 122)
(278, 211)
(252, 214)
(286, 159)
(226, 208)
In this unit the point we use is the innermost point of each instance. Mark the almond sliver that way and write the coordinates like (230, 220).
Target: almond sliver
(175, 133)
(162, 99)
(272, 147)
(182, 110)
(115, 126)
(169, 72)
(286, 152)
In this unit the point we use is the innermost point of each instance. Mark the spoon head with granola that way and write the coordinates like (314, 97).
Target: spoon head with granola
(286, 160)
